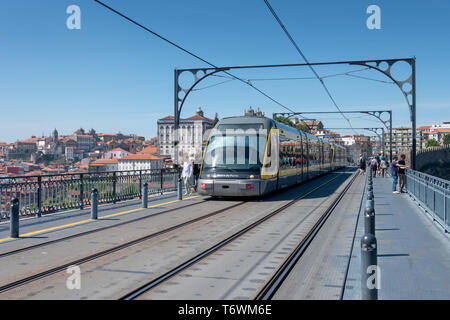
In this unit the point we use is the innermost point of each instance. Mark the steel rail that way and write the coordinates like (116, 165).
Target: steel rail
(12, 252)
(152, 284)
(97, 255)
(277, 279)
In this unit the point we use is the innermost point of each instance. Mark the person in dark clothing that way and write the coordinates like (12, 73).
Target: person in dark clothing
(402, 173)
(196, 175)
(394, 173)
(362, 164)
(395, 167)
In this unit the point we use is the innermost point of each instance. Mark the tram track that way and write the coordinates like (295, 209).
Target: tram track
(277, 279)
(63, 267)
(77, 235)
(97, 255)
(189, 263)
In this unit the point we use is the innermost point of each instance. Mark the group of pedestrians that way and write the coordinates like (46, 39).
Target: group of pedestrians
(379, 166)
(398, 173)
(190, 176)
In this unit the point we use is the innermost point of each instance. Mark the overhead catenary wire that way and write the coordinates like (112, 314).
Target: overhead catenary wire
(274, 14)
(348, 73)
(192, 54)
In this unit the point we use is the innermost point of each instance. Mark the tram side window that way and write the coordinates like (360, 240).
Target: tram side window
(287, 153)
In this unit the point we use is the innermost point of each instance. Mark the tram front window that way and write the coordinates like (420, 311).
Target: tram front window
(235, 150)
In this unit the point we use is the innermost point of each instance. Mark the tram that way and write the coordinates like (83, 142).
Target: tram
(253, 156)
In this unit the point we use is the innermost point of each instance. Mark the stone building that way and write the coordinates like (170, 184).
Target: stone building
(190, 136)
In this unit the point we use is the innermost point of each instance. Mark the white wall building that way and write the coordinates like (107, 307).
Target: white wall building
(140, 162)
(348, 140)
(116, 153)
(190, 136)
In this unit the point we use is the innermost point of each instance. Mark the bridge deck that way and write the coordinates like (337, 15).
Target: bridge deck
(413, 253)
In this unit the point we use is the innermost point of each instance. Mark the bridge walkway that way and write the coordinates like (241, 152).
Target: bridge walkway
(413, 251)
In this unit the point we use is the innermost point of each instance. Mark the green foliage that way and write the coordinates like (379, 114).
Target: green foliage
(284, 120)
(447, 139)
(302, 127)
(431, 143)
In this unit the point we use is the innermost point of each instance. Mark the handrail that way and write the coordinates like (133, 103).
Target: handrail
(432, 194)
(42, 194)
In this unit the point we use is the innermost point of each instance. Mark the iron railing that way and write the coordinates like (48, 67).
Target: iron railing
(432, 193)
(45, 194)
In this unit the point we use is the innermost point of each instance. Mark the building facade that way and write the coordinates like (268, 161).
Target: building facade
(116, 153)
(140, 162)
(401, 140)
(190, 136)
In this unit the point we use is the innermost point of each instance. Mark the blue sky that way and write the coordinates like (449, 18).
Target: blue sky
(113, 76)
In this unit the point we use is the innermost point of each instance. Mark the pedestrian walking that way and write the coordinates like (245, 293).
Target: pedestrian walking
(362, 164)
(196, 175)
(186, 175)
(374, 165)
(383, 167)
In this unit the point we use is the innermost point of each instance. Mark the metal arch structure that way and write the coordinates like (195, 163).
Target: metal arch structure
(179, 102)
(374, 130)
(409, 93)
(375, 113)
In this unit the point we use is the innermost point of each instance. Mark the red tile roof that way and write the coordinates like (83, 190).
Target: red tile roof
(197, 117)
(141, 157)
(149, 149)
(168, 118)
(442, 130)
(104, 161)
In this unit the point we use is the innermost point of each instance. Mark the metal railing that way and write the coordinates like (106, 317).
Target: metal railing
(432, 193)
(45, 194)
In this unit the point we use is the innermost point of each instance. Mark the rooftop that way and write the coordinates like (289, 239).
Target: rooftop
(141, 157)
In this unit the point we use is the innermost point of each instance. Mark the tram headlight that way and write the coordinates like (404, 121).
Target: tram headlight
(251, 176)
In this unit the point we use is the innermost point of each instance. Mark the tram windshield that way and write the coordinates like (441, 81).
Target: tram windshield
(236, 147)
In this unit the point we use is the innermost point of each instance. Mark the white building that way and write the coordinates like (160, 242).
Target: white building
(348, 140)
(116, 153)
(70, 153)
(103, 165)
(190, 136)
(140, 162)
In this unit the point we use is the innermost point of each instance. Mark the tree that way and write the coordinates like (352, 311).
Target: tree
(447, 139)
(80, 131)
(284, 120)
(302, 127)
(431, 143)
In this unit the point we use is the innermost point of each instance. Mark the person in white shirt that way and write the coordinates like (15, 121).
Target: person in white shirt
(186, 174)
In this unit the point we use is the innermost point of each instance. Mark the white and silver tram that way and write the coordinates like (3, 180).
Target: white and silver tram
(253, 156)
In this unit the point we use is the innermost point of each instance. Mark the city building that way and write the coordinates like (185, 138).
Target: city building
(149, 150)
(22, 150)
(116, 153)
(313, 125)
(104, 165)
(439, 134)
(401, 140)
(190, 136)
(140, 162)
